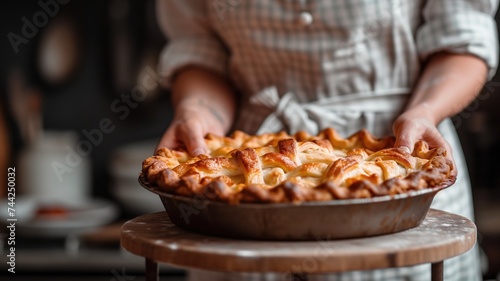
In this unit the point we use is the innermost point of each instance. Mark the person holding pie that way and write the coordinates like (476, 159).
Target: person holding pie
(390, 66)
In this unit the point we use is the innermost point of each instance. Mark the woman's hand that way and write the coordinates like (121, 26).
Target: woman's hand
(193, 120)
(204, 103)
(447, 84)
(417, 124)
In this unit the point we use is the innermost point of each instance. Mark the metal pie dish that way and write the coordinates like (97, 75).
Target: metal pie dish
(320, 220)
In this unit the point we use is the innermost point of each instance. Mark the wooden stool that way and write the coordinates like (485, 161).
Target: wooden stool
(440, 236)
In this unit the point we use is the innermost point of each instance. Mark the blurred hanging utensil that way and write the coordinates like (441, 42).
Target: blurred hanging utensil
(26, 105)
(59, 53)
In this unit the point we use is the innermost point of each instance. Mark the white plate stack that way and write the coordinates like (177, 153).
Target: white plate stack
(125, 166)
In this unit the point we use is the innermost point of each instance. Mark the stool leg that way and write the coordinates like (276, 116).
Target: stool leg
(151, 270)
(437, 271)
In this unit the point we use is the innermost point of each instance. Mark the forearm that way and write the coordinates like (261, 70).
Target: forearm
(198, 89)
(449, 82)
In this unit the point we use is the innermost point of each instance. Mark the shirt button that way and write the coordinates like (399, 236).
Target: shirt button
(305, 18)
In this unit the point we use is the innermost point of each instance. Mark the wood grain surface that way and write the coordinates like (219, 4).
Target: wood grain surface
(440, 236)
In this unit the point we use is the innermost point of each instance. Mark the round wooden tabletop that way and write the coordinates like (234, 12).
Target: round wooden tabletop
(440, 236)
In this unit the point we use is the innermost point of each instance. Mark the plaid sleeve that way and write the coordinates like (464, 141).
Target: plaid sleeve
(191, 41)
(460, 26)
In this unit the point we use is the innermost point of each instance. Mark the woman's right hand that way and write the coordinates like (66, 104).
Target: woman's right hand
(204, 103)
(193, 120)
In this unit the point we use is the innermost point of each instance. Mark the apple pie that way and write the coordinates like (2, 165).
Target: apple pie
(274, 168)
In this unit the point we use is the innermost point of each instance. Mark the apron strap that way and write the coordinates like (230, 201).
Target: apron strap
(293, 116)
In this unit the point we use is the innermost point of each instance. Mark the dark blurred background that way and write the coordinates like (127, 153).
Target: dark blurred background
(115, 42)
(69, 66)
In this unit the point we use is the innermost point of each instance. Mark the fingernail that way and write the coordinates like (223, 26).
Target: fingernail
(198, 151)
(405, 149)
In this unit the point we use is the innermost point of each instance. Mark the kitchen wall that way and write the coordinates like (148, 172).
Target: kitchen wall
(117, 42)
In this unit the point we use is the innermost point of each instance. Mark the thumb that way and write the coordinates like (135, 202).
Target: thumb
(196, 145)
(405, 138)
(194, 140)
(168, 140)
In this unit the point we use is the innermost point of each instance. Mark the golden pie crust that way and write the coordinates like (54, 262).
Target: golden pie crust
(274, 168)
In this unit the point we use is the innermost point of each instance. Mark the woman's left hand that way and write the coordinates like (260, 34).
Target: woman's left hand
(416, 124)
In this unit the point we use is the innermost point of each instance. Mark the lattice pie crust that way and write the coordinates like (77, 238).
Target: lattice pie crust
(273, 168)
